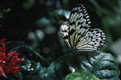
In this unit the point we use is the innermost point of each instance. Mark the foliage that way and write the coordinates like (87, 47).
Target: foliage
(31, 28)
(80, 76)
(102, 65)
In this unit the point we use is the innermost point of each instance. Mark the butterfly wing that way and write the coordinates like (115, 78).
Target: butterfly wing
(65, 33)
(92, 40)
(77, 34)
(79, 23)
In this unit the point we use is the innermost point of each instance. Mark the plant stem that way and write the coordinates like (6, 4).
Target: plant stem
(42, 59)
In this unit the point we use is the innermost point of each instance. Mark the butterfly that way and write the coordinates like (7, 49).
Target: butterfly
(77, 34)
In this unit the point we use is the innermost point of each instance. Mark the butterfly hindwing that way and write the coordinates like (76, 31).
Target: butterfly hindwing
(92, 40)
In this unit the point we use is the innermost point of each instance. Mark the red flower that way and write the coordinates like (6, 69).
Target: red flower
(8, 63)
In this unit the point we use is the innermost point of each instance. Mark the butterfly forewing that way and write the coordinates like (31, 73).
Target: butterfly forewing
(79, 17)
(79, 24)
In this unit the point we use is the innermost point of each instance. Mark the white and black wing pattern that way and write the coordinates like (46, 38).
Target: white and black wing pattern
(79, 23)
(92, 40)
(77, 33)
(79, 17)
(65, 33)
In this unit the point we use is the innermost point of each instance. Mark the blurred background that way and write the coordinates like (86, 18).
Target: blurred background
(37, 23)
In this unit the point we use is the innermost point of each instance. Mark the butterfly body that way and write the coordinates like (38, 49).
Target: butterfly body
(77, 34)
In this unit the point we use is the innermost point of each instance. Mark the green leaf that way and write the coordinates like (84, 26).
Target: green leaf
(32, 70)
(7, 10)
(62, 12)
(101, 64)
(28, 4)
(50, 72)
(35, 71)
(43, 22)
(81, 76)
(118, 71)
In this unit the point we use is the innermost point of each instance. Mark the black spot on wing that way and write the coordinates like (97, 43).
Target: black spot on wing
(71, 32)
(65, 37)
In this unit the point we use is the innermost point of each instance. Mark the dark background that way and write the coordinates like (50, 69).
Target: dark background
(37, 23)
